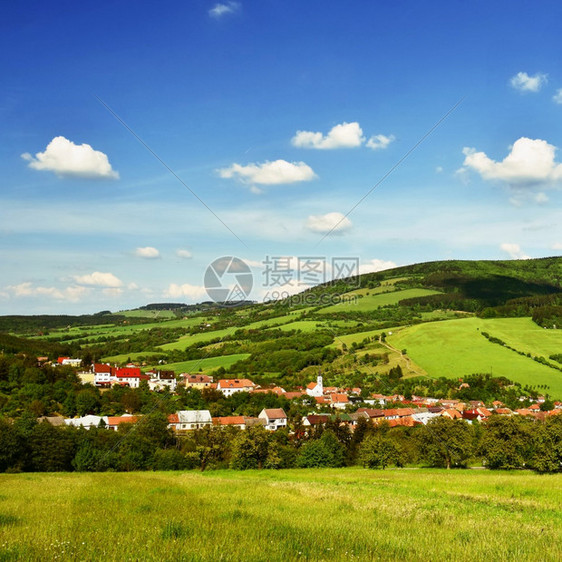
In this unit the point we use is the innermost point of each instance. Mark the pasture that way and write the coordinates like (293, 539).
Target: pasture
(371, 300)
(456, 348)
(323, 514)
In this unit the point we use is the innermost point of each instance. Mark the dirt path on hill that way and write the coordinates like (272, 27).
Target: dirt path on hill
(408, 361)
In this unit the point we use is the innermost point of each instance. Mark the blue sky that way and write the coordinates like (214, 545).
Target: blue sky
(280, 116)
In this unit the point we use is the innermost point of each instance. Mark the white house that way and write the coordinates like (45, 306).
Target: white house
(275, 418)
(160, 379)
(184, 420)
(230, 386)
(85, 421)
(315, 388)
(423, 416)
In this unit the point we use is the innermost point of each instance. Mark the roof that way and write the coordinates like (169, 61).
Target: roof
(234, 383)
(197, 378)
(311, 385)
(194, 416)
(318, 419)
(341, 398)
(372, 412)
(173, 418)
(102, 368)
(61, 359)
(124, 372)
(275, 413)
(229, 420)
(117, 420)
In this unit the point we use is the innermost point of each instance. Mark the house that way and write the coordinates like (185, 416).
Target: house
(423, 415)
(130, 376)
(103, 374)
(113, 422)
(230, 421)
(372, 413)
(187, 420)
(452, 413)
(69, 361)
(230, 386)
(86, 422)
(162, 379)
(339, 401)
(315, 389)
(315, 420)
(196, 381)
(275, 418)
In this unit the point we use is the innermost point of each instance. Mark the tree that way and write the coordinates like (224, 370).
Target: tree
(378, 451)
(446, 442)
(11, 445)
(324, 452)
(507, 442)
(251, 449)
(547, 453)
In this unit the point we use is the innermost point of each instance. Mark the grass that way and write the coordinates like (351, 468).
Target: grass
(374, 300)
(456, 348)
(330, 514)
(205, 365)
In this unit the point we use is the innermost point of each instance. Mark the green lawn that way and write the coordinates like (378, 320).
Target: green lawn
(456, 348)
(376, 300)
(324, 514)
(205, 365)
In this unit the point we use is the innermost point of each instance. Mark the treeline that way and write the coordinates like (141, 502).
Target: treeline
(502, 443)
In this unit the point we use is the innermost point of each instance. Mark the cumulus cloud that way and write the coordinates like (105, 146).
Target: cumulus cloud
(147, 252)
(27, 289)
(193, 292)
(99, 279)
(557, 97)
(375, 265)
(335, 222)
(269, 173)
(112, 292)
(380, 142)
(65, 158)
(220, 10)
(557, 246)
(345, 135)
(525, 83)
(184, 254)
(530, 162)
(514, 251)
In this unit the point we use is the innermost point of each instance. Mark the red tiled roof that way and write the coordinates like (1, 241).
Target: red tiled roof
(229, 420)
(339, 398)
(129, 372)
(173, 418)
(102, 368)
(235, 383)
(275, 413)
(311, 385)
(117, 420)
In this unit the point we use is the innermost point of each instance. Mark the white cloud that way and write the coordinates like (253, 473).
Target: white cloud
(525, 83)
(541, 198)
(132, 286)
(27, 289)
(346, 135)
(557, 246)
(514, 251)
(65, 158)
(269, 173)
(439, 170)
(336, 223)
(375, 265)
(148, 253)
(220, 10)
(185, 254)
(557, 97)
(193, 292)
(380, 142)
(99, 279)
(112, 292)
(530, 162)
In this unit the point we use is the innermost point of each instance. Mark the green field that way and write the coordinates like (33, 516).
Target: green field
(456, 348)
(375, 300)
(324, 514)
(205, 364)
(140, 313)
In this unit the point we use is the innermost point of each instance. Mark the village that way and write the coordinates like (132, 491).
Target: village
(327, 403)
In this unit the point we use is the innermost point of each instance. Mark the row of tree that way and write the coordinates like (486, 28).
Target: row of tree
(502, 443)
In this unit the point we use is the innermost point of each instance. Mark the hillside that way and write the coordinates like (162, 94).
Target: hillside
(436, 319)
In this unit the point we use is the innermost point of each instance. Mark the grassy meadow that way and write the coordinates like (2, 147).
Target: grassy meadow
(327, 514)
(371, 300)
(456, 348)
